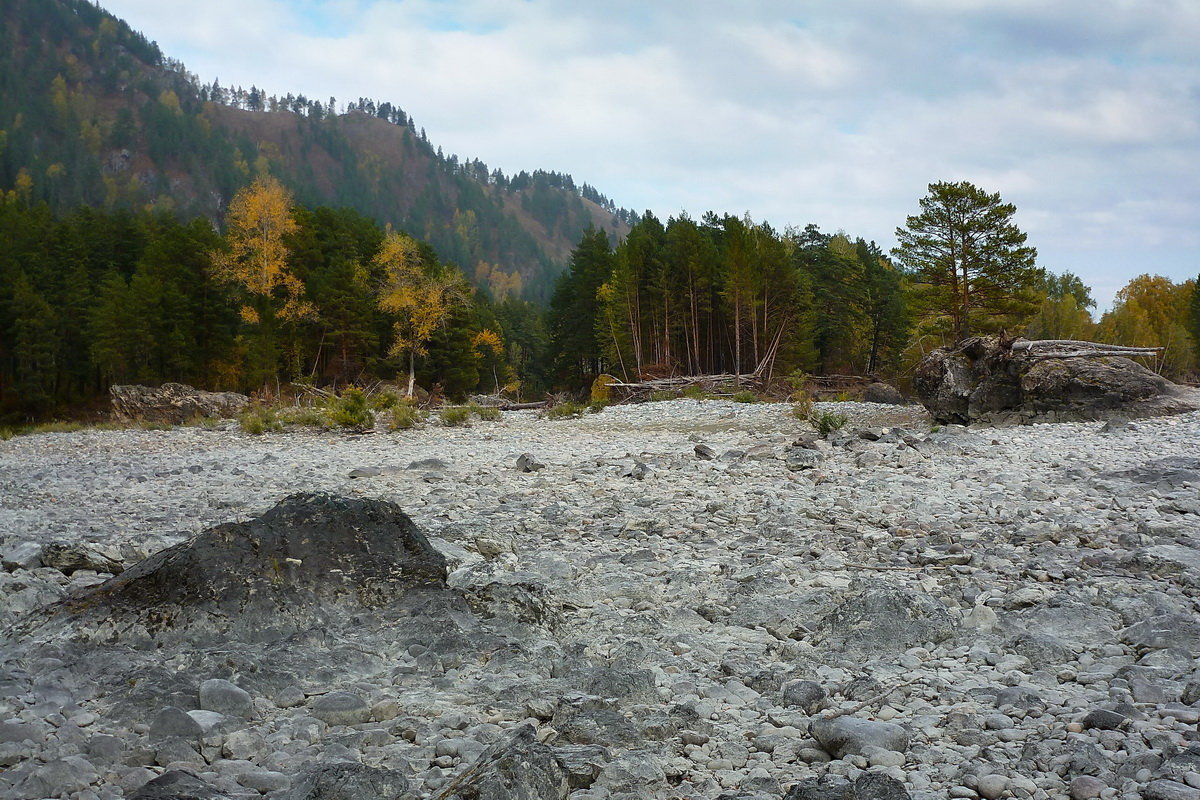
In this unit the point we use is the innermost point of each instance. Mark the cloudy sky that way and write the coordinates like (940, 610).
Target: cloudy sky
(1084, 113)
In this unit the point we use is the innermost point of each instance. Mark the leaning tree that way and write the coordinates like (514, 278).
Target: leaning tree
(969, 258)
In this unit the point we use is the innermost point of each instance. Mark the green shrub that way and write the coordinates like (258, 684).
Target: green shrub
(802, 405)
(745, 396)
(199, 421)
(456, 417)
(564, 411)
(258, 420)
(485, 413)
(695, 392)
(596, 406)
(307, 416)
(659, 395)
(385, 400)
(405, 416)
(351, 411)
(826, 422)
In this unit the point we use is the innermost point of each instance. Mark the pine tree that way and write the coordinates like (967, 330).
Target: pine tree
(971, 260)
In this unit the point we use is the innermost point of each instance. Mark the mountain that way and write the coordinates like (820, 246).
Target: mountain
(92, 113)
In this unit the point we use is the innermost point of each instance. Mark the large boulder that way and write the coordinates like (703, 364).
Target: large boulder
(881, 621)
(307, 562)
(517, 768)
(982, 380)
(173, 403)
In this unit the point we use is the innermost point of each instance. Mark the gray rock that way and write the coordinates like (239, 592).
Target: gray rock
(704, 452)
(172, 721)
(1085, 787)
(1042, 650)
(879, 392)
(290, 569)
(807, 695)
(1169, 790)
(850, 735)
(977, 380)
(802, 458)
(264, 780)
(583, 763)
(882, 620)
(349, 781)
(1104, 720)
(226, 698)
(429, 464)
(878, 786)
(516, 768)
(1168, 559)
(173, 403)
(868, 786)
(527, 463)
(178, 785)
(22, 555)
(365, 472)
(69, 557)
(1165, 631)
(992, 787)
(1178, 766)
(341, 708)
(105, 749)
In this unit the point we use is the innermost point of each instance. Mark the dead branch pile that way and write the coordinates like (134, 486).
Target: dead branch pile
(713, 385)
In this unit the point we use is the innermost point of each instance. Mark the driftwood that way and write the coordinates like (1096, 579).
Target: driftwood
(717, 385)
(1073, 348)
(724, 385)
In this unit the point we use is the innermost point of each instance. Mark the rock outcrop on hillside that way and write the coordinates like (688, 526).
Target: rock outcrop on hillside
(986, 379)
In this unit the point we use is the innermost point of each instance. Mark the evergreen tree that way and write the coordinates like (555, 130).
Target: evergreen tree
(970, 259)
(573, 309)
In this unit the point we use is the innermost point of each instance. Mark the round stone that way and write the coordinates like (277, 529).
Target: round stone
(341, 708)
(1085, 787)
(992, 787)
(225, 698)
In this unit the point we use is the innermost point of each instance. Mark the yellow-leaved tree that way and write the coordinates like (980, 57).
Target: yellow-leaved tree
(1152, 311)
(255, 263)
(490, 346)
(420, 297)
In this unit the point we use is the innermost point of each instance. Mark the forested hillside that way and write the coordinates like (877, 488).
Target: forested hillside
(155, 228)
(92, 114)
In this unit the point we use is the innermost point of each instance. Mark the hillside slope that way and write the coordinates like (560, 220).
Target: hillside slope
(91, 113)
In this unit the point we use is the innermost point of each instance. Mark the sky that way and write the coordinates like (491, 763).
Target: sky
(1083, 113)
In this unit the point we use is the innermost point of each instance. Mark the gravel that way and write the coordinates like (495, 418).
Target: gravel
(672, 594)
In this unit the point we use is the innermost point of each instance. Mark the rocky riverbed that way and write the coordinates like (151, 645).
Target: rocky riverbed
(689, 599)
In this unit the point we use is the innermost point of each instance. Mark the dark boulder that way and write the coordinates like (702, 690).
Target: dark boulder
(517, 768)
(304, 563)
(173, 403)
(983, 379)
(879, 392)
(178, 785)
(882, 621)
(349, 781)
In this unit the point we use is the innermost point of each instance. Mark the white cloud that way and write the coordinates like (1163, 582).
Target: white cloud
(1085, 113)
